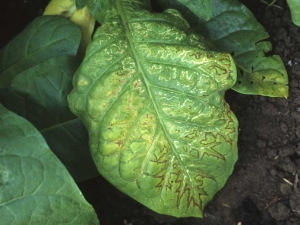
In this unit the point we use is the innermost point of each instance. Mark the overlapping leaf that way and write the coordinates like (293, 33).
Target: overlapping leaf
(78, 14)
(233, 29)
(152, 98)
(201, 8)
(36, 70)
(35, 188)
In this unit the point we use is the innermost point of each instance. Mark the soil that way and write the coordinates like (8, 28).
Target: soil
(264, 187)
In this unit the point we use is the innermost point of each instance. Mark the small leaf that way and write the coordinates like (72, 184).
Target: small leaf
(263, 76)
(152, 98)
(37, 89)
(294, 6)
(35, 186)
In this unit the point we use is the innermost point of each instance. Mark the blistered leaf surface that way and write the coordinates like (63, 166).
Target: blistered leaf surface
(152, 98)
(36, 70)
(35, 188)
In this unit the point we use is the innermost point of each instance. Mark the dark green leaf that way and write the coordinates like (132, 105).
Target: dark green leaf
(80, 4)
(45, 38)
(201, 8)
(95, 6)
(38, 89)
(152, 98)
(35, 188)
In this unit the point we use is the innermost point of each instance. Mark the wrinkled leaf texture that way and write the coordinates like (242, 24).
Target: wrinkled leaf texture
(36, 71)
(35, 188)
(152, 98)
(233, 29)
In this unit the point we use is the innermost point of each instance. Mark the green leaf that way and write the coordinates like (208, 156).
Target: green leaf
(201, 8)
(234, 29)
(35, 186)
(152, 98)
(35, 82)
(95, 7)
(45, 38)
(294, 6)
(80, 4)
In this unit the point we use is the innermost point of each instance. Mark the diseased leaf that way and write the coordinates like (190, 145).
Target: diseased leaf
(234, 29)
(294, 6)
(35, 186)
(152, 98)
(35, 82)
(262, 75)
(245, 38)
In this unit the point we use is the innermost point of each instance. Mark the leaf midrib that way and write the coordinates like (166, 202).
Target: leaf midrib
(120, 9)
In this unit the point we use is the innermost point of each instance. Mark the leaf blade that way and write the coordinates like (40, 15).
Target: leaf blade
(233, 29)
(136, 89)
(35, 186)
(244, 37)
(58, 37)
(38, 89)
(294, 6)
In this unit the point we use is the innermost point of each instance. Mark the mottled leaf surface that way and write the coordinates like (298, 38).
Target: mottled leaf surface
(233, 29)
(35, 188)
(152, 98)
(36, 70)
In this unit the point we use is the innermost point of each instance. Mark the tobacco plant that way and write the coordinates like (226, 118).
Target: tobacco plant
(147, 102)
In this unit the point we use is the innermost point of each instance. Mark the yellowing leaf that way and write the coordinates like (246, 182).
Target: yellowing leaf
(86, 23)
(60, 7)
